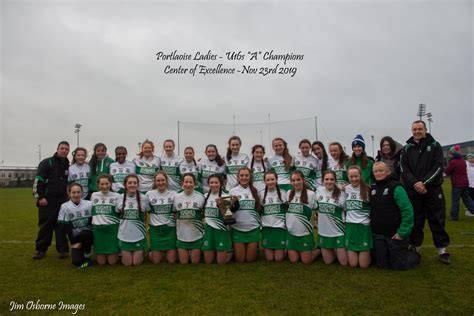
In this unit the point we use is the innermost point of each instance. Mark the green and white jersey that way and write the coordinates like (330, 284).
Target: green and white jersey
(307, 165)
(104, 208)
(273, 209)
(357, 210)
(170, 165)
(189, 226)
(209, 168)
(258, 171)
(341, 172)
(80, 174)
(212, 214)
(232, 167)
(190, 167)
(161, 207)
(318, 181)
(132, 223)
(299, 214)
(247, 218)
(277, 164)
(78, 216)
(145, 170)
(118, 172)
(330, 213)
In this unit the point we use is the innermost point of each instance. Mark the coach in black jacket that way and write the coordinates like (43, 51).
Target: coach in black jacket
(50, 190)
(422, 175)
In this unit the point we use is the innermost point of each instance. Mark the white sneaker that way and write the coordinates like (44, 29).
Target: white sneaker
(468, 214)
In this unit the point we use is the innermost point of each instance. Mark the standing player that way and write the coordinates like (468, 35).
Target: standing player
(188, 206)
(273, 218)
(282, 163)
(79, 171)
(162, 221)
(210, 165)
(170, 162)
(331, 232)
(246, 230)
(337, 163)
(234, 160)
(132, 206)
(146, 165)
(105, 221)
(319, 152)
(358, 232)
(189, 165)
(302, 203)
(75, 217)
(217, 241)
(100, 163)
(120, 169)
(306, 163)
(259, 166)
(359, 158)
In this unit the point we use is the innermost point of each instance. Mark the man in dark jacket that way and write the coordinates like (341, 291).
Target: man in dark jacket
(422, 174)
(50, 190)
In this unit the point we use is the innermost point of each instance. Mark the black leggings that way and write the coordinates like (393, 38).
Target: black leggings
(77, 254)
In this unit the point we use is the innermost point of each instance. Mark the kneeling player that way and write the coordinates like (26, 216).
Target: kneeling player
(75, 216)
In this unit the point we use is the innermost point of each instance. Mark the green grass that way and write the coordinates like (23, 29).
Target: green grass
(256, 288)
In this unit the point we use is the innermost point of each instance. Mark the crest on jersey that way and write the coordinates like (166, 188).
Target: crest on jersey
(74, 176)
(242, 162)
(320, 198)
(246, 196)
(180, 205)
(385, 191)
(111, 201)
(130, 205)
(373, 192)
(298, 163)
(270, 200)
(96, 201)
(86, 212)
(103, 201)
(128, 170)
(70, 216)
(154, 201)
(120, 170)
(353, 196)
(78, 214)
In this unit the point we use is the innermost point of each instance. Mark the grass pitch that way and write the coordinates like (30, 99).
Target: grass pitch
(256, 288)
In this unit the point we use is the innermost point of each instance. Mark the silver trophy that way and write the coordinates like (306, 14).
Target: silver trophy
(225, 205)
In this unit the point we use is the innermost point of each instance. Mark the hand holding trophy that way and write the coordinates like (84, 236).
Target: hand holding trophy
(225, 204)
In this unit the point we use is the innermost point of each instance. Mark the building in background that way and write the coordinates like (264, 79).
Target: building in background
(11, 176)
(466, 147)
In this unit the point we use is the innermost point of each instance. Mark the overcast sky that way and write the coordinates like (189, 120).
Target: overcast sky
(367, 65)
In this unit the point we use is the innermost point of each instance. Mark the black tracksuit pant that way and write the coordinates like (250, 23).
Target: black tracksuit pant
(48, 223)
(430, 206)
(393, 254)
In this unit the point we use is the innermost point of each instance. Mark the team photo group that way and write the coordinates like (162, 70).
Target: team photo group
(346, 208)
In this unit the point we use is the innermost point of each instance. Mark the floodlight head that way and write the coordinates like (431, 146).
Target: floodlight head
(421, 109)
